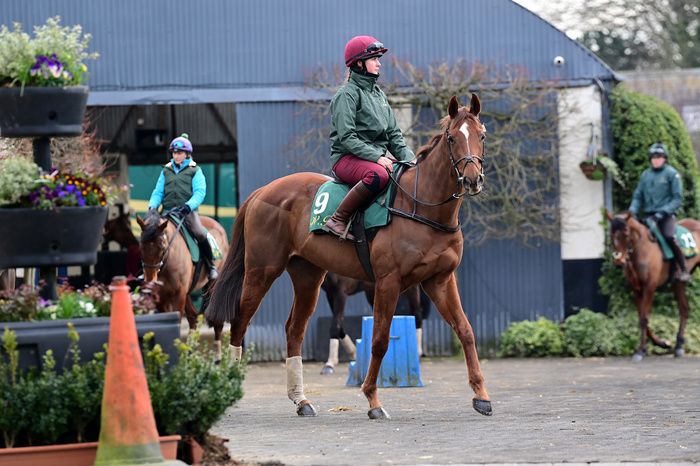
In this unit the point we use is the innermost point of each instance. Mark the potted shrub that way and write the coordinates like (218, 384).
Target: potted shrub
(598, 167)
(58, 412)
(42, 78)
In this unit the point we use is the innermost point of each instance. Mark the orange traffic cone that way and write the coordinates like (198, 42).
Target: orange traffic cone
(128, 434)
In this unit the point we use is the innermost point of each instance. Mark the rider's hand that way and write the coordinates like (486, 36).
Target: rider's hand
(183, 210)
(386, 163)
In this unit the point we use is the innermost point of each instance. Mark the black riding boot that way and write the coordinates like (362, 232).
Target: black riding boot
(683, 275)
(356, 198)
(205, 248)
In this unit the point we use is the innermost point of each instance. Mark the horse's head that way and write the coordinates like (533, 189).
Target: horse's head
(118, 230)
(465, 139)
(620, 237)
(154, 244)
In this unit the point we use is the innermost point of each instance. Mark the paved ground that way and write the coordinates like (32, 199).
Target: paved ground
(546, 411)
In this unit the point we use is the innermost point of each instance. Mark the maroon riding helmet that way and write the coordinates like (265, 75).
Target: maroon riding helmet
(362, 48)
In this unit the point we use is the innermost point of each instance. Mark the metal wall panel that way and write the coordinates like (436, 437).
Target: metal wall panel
(182, 44)
(503, 282)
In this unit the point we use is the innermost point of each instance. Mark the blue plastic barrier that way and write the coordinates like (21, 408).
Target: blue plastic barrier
(400, 366)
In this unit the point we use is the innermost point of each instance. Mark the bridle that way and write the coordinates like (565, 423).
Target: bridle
(461, 190)
(164, 257)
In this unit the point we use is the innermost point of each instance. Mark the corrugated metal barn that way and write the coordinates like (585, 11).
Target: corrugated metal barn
(243, 66)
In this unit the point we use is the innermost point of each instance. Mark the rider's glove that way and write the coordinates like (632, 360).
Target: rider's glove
(183, 210)
(659, 216)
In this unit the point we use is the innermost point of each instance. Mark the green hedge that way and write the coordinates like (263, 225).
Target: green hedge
(588, 333)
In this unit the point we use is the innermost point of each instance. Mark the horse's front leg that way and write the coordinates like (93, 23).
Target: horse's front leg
(386, 296)
(682, 300)
(643, 300)
(442, 289)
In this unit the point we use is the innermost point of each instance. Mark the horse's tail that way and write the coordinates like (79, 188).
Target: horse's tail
(225, 294)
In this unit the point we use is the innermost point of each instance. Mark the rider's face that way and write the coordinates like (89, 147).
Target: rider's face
(179, 156)
(657, 161)
(373, 65)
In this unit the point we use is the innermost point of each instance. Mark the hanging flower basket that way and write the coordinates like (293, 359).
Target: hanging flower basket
(63, 236)
(42, 111)
(593, 170)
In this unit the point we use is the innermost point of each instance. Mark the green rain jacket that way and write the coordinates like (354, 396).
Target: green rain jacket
(658, 191)
(363, 124)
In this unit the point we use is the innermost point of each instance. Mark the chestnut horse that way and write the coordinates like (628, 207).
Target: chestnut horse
(337, 290)
(167, 259)
(422, 244)
(637, 251)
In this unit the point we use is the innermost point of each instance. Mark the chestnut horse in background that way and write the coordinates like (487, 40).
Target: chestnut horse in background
(337, 290)
(637, 251)
(167, 259)
(422, 245)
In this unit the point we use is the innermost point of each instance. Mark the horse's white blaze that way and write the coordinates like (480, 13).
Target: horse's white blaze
(464, 129)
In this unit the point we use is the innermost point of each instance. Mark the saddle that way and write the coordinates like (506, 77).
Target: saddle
(192, 242)
(684, 238)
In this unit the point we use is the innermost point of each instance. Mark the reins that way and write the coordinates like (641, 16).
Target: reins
(461, 188)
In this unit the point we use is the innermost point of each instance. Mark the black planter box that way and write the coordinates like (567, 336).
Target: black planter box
(42, 111)
(34, 338)
(35, 238)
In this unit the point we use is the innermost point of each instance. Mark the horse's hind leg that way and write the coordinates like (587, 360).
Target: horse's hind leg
(306, 279)
(256, 284)
(682, 300)
(443, 291)
(336, 299)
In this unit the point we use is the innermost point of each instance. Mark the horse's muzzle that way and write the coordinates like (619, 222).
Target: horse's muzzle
(475, 187)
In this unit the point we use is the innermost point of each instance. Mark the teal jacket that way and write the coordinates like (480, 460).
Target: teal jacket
(363, 124)
(658, 191)
(179, 185)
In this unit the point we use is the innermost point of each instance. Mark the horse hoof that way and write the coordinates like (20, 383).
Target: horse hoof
(217, 362)
(679, 352)
(327, 370)
(378, 413)
(482, 407)
(665, 344)
(637, 357)
(306, 410)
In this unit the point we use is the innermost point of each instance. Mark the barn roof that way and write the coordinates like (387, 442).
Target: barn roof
(184, 51)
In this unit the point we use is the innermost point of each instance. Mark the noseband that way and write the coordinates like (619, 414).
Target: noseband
(467, 159)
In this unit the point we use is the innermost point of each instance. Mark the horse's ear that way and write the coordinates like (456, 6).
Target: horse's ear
(627, 215)
(475, 105)
(140, 221)
(453, 107)
(163, 225)
(609, 215)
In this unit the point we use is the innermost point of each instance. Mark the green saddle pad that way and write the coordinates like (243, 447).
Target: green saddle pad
(192, 243)
(328, 198)
(684, 238)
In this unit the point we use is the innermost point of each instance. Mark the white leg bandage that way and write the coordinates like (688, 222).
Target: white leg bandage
(349, 346)
(419, 341)
(332, 353)
(236, 352)
(295, 380)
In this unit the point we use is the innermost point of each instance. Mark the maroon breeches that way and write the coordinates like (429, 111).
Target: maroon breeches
(351, 170)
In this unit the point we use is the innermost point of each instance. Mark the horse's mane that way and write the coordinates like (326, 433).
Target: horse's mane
(150, 230)
(462, 116)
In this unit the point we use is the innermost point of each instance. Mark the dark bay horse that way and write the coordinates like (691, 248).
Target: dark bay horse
(272, 235)
(119, 230)
(337, 289)
(639, 254)
(167, 259)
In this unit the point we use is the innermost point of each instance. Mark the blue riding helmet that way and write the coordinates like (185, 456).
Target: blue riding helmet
(181, 144)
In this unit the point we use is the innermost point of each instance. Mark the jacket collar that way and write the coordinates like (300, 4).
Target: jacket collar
(185, 163)
(364, 82)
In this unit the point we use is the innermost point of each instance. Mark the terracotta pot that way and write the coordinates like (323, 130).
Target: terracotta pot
(66, 236)
(42, 111)
(192, 452)
(70, 454)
